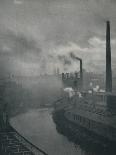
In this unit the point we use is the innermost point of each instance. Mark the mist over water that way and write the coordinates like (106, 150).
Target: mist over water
(26, 99)
(26, 93)
(38, 127)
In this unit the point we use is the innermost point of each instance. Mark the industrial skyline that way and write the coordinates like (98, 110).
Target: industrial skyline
(58, 77)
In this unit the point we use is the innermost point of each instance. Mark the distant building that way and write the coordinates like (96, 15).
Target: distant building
(71, 80)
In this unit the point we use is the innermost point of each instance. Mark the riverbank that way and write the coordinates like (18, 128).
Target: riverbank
(12, 143)
(39, 128)
(89, 141)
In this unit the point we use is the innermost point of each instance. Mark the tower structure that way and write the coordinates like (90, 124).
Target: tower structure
(108, 59)
(81, 73)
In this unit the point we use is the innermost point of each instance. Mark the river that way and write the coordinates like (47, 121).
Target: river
(39, 128)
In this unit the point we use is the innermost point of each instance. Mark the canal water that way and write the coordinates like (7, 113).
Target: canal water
(39, 128)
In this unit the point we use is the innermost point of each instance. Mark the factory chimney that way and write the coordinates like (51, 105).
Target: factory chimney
(108, 60)
(81, 74)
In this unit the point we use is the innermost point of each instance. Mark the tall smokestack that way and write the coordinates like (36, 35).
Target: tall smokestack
(72, 55)
(81, 73)
(108, 60)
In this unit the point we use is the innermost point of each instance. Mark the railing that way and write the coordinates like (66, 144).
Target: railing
(35, 150)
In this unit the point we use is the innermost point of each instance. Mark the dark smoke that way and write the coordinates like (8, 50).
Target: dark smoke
(74, 57)
(65, 60)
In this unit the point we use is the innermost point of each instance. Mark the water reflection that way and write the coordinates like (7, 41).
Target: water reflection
(39, 128)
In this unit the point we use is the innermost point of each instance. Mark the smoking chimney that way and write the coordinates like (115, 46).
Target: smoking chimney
(72, 55)
(108, 60)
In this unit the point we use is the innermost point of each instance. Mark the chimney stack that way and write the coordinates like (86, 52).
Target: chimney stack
(81, 73)
(108, 60)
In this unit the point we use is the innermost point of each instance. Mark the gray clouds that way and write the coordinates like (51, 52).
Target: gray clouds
(43, 33)
(18, 45)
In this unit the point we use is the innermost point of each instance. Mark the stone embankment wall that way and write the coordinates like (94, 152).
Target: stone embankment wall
(12, 143)
(100, 128)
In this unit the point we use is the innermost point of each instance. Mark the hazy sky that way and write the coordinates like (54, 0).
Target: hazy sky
(38, 35)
